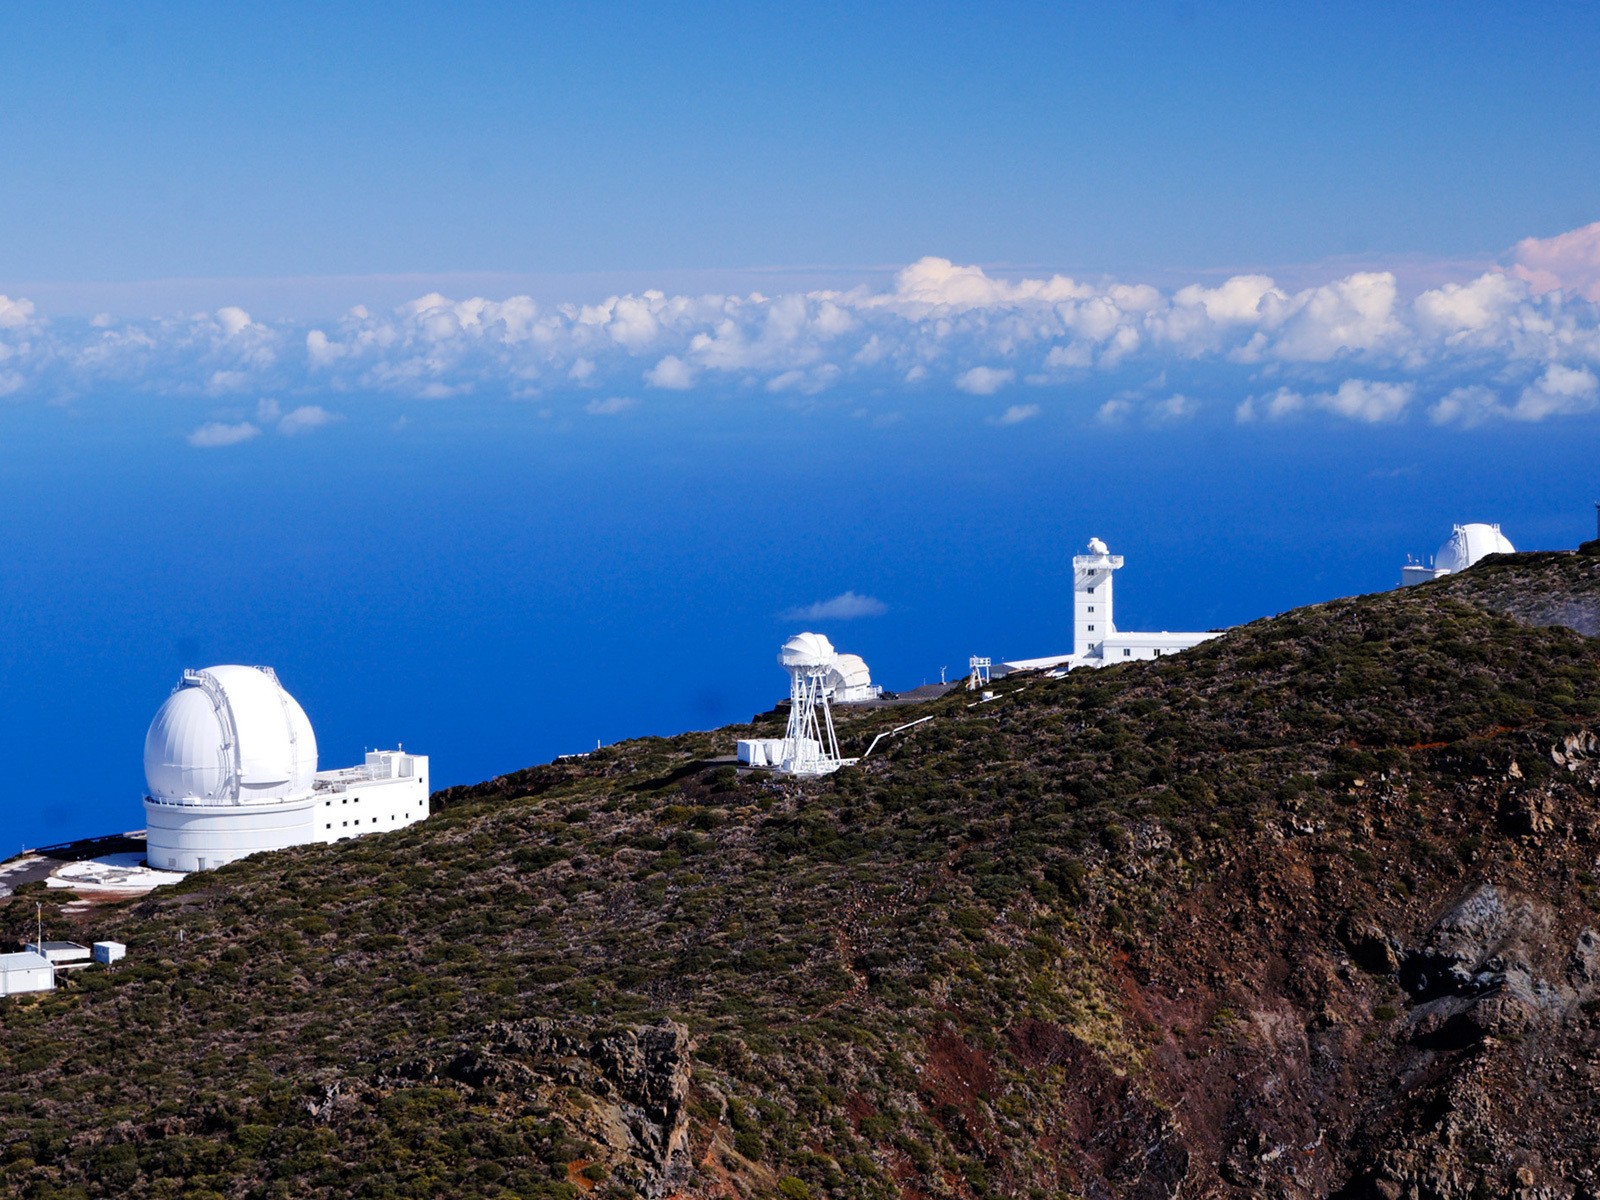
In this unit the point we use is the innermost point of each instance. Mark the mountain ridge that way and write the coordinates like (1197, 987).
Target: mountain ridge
(1308, 910)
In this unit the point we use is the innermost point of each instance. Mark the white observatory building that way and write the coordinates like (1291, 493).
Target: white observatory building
(230, 762)
(1096, 641)
(1465, 546)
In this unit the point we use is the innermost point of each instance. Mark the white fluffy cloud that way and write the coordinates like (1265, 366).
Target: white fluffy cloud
(1354, 399)
(221, 433)
(984, 381)
(1361, 400)
(1569, 262)
(15, 314)
(846, 606)
(1017, 414)
(1176, 407)
(1352, 348)
(1558, 391)
(304, 419)
(671, 373)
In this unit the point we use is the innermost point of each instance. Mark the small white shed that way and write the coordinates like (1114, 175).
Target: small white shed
(26, 972)
(109, 952)
(761, 752)
(61, 952)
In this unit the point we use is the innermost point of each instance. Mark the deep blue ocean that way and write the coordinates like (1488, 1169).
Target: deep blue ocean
(492, 586)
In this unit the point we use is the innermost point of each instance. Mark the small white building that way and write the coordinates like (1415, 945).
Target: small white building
(1096, 641)
(1465, 546)
(231, 765)
(765, 752)
(59, 953)
(109, 952)
(26, 972)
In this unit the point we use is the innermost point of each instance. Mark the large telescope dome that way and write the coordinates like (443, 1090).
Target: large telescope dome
(227, 735)
(1468, 544)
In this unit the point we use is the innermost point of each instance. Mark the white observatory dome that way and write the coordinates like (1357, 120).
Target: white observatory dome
(1468, 544)
(228, 734)
(849, 671)
(1096, 546)
(805, 650)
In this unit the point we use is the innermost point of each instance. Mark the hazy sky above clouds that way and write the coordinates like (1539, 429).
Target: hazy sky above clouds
(643, 144)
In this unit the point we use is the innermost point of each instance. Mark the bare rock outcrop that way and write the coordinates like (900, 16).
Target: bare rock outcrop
(634, 1083)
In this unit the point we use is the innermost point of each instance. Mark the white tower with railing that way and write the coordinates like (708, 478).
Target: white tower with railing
(1091, 600)
(1096, 641)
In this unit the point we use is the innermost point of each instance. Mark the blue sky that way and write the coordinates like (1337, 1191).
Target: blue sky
(512, 377)
(206, 141)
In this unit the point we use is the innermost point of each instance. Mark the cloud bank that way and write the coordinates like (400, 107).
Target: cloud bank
(1515, 344)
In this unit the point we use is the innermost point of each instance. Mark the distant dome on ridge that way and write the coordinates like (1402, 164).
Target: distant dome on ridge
(229, 733)
(1468, 544)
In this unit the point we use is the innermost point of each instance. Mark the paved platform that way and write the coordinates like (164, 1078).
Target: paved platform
(98, 870)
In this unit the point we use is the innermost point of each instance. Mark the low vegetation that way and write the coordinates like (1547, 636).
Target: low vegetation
(1146, 929)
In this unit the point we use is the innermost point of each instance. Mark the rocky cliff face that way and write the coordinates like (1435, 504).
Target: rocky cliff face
(633, 1084)
(1309, 911)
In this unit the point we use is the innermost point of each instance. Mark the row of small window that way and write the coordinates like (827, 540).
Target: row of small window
(1127, 653)
(346, 800)
(346, 824)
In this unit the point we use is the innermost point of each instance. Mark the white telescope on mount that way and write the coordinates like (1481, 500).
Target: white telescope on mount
(809, 745)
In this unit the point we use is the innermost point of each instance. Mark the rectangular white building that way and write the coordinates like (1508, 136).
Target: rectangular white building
(60, 952)
(387, 791)
(26, 972)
